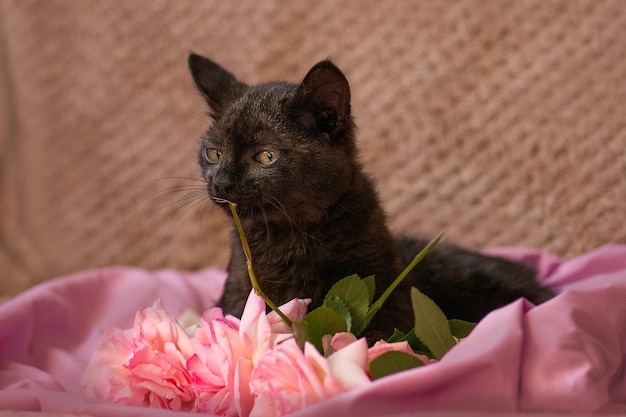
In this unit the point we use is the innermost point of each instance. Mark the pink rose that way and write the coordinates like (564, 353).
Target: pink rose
(106, 377)
(144, 365)
(286, 379)
(220, 368)
(157, 364)
(227, 349)
(161, 378)
(158, 328)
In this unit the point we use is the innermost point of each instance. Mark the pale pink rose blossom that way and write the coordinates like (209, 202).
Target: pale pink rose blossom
(220, 368)
(227, 349)
(158, 327)
(286, 379)
(158, 364)
(106, 377)
(160, 377)
(145, 365)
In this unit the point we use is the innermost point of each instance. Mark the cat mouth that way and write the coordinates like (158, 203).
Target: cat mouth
(220, 200)
(269, 212)
(230, 205)
(244, 209)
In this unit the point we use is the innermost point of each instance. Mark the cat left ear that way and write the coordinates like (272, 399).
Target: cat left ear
(217, 85)
(323, 98)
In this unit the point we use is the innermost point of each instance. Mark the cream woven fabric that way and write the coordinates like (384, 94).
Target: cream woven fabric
(498, 122)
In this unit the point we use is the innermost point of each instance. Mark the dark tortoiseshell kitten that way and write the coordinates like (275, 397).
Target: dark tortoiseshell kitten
(286, 154)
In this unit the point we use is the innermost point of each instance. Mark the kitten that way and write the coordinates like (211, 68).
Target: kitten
(286, 154)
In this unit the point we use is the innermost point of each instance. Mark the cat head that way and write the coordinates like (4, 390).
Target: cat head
(278, 150)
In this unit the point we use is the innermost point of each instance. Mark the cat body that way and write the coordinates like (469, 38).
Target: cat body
(287, 155)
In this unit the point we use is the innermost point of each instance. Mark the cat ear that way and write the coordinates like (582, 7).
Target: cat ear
(323, 98)
(217, 85)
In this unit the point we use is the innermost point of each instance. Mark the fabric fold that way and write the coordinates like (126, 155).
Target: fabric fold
(566, 355)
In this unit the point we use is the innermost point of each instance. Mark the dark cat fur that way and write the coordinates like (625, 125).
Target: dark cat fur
(312, 216)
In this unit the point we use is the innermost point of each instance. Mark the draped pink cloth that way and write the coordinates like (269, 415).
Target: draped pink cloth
(566, 355)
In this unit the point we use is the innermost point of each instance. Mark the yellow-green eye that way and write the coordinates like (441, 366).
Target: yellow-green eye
(212, 155)
(267, 157)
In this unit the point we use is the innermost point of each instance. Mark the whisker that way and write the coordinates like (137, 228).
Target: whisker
(174, 190)
(174, 206)
(160, 180)
(190, 204)
(267, 225)
(281, 208)
(171, 203)
(204, 213)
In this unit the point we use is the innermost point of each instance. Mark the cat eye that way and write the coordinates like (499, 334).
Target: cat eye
(212, 155)
(267, 157)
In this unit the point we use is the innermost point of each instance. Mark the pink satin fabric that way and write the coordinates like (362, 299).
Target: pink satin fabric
(567, 355)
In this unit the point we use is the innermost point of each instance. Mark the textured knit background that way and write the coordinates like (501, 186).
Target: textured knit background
(498, 122)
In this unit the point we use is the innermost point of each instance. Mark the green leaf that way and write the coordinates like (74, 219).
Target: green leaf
(417, 345)
(397, 336)
(431, 325)
(371, 287)
(460, 328)
(320, 322)
(355, 294)
(391, 362)
(338, 306)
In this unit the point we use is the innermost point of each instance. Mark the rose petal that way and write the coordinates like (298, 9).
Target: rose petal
(349, 364)
(381, 347)
(295, 310)
(158, 327)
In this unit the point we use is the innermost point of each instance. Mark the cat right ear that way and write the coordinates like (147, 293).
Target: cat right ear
(323, 99)
(217, 85)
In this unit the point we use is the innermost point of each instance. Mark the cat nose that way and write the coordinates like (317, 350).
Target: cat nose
(222, 186)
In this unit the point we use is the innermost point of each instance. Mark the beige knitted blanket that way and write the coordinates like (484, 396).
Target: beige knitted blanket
(497, 122)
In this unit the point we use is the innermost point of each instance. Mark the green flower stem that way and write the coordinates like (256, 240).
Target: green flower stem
(251, 274)
(377, 305)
